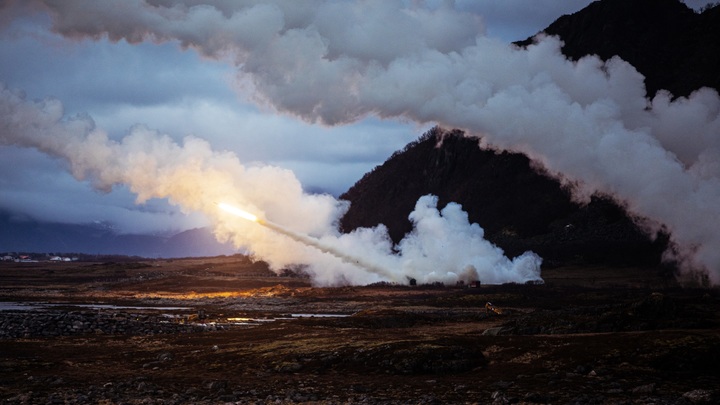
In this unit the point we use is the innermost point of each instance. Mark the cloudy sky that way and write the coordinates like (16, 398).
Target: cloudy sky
(177, 91)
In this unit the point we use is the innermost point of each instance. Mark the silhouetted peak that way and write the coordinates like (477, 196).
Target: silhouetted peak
(519, 208)
(674, 47)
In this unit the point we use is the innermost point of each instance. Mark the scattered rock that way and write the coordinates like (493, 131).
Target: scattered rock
(535, 398)
(165, 356)
(493, 331)
(29, 324)
(217, 385)
(288, 367)
(644, 389)
(499, 397)
(699, 395)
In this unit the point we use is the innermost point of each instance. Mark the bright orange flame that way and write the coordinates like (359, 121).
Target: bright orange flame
(237, 211)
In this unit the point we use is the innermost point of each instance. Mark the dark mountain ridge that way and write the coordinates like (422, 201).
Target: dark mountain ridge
(28, 235)
(519, 208)
(674, 47)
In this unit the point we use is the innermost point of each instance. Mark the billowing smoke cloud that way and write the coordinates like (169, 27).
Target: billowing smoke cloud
(443, 247)
(586, 122)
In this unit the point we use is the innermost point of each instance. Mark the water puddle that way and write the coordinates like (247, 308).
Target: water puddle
(181, 315)
(249, 321)
(318, 315)
(19, 306)
(184, 315)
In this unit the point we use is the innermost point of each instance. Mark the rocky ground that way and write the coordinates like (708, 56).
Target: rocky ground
(225, 330)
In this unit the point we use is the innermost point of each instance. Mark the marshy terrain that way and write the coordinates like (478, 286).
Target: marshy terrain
(226, 330)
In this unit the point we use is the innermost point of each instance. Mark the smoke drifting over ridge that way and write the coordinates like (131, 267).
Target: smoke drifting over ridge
(587, 122)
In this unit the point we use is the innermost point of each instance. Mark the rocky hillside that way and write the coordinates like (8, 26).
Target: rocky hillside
(519, 208)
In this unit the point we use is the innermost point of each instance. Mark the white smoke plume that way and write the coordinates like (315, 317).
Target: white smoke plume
(443, 247)
(586, 122)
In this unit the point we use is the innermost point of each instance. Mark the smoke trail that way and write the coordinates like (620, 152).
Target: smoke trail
(309, 241)
(586, 122)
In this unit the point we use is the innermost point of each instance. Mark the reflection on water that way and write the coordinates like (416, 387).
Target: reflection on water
(34, 306)
(200, 319)
(18, 306)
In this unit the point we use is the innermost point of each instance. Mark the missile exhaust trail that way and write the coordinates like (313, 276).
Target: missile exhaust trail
(309, 241)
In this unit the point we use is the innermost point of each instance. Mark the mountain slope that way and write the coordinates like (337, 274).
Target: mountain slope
(675, 48)
(519, 208)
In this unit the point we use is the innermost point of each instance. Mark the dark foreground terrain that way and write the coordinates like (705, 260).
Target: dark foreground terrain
(224, 330)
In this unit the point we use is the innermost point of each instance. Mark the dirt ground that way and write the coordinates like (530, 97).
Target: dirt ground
(590, 335)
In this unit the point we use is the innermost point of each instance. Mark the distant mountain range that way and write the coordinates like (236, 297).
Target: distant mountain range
(520, 209)
(33, 236)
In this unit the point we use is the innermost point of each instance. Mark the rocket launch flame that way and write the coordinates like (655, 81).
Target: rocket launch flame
(237, 212)
(310, 241)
